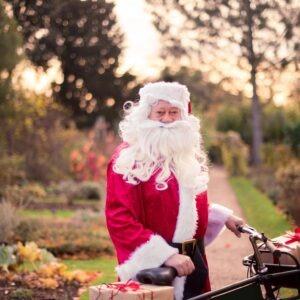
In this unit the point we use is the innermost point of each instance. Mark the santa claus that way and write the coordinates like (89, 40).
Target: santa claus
(157, 191)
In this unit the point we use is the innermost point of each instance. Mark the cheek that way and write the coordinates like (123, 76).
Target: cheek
(153, 116)
(177, 117)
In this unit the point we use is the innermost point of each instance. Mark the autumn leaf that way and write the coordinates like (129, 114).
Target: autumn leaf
(81, 276)
(49, 283)
(52, 269)
(29, 251)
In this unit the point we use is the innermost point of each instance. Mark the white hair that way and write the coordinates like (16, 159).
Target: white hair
(162, 148)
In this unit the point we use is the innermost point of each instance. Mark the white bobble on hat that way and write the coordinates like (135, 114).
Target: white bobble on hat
(173, 92)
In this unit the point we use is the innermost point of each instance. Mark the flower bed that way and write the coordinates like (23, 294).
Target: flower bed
(29, 272)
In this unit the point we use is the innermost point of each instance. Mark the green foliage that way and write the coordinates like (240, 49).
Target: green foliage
(275, 156)
(258, 209)
(35, 134)
(292, 135)
(10, 46)
(21, 294)
(47, 213)
(7, 257)
(274, 123)
(288, 179)
(85, 38)
(10, 40)
(11, 256)
(230, 150)
(280, 125)
(235, 118)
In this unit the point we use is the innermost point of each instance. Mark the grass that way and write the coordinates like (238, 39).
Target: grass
(37, 213)
(261, 214)
(105, 265)
(259, 211)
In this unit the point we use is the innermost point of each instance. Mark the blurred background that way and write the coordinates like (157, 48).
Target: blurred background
(66, 69)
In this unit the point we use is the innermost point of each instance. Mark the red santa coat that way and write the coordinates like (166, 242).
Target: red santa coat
(142, 220)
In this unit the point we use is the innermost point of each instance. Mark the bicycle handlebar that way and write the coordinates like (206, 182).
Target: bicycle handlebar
(260, 236)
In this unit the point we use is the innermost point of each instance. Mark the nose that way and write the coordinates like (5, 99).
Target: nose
(166, 118)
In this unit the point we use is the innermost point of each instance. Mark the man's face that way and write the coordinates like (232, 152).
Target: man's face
(164, 112)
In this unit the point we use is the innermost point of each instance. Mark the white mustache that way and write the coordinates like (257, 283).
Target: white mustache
(149, 124)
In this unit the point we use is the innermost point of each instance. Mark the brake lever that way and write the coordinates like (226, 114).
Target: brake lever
(260, 236)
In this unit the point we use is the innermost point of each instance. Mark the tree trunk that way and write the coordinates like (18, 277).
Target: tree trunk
(9, 142)
(256, 108)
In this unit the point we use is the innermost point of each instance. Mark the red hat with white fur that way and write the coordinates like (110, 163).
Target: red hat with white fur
(173, 92)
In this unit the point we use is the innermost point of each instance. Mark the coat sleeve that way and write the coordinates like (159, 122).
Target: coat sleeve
(217, 217)
(137, 247)
(211, 218)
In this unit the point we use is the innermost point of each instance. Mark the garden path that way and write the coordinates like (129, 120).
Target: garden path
(225, 254)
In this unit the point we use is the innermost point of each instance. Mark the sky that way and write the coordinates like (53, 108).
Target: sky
(141, 39)
(141, 53)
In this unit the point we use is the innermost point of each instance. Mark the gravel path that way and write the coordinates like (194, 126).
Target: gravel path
(225, 254)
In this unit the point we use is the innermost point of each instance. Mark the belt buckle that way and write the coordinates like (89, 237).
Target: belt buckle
(185, 245)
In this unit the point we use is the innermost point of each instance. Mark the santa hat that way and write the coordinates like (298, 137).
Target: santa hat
(173, 92)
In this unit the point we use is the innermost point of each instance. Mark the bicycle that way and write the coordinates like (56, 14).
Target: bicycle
(265, 279)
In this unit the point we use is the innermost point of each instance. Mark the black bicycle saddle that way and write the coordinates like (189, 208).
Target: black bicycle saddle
(157, 276)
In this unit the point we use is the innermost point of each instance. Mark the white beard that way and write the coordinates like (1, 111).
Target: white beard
(164, 148)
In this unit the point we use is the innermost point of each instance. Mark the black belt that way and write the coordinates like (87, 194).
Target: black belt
(188, 247)
(195, 282)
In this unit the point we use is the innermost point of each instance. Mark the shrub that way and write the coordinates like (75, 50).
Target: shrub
(231, 151)
(288, 179)
(90, 190)
(8, 221)
(275, 156)
(236, 118)
(83, 235)
(12, 169)
(24, 195)
(293, 136)
(27, 230)
(63, 187)
(279, 125)
(73, 190)
(263, 178)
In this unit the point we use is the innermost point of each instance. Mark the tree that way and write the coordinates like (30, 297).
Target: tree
(205, 96)
(86, 40)
(257, 37)
(10, 45)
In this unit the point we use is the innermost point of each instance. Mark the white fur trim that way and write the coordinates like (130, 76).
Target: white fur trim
(217, 216)
(151, 254)
(186, 225)
(173, 92)
(178, 284)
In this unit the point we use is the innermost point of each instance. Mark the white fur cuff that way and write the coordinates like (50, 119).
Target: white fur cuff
(151, 254)
(217, 216)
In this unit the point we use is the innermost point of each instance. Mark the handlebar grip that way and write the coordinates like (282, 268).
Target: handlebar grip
(157, 276)
(245, 229)
(240, 228)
